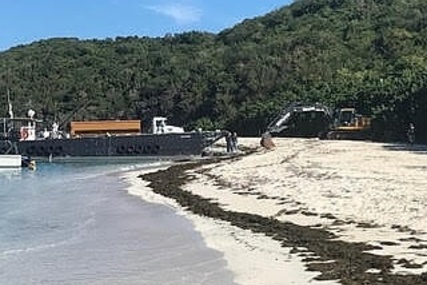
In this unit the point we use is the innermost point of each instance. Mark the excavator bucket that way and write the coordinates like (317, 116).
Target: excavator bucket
(267, 141)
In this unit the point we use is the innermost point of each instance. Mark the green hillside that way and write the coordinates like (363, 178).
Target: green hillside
(371, 54)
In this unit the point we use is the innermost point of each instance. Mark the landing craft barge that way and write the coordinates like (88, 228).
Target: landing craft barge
(102, 139)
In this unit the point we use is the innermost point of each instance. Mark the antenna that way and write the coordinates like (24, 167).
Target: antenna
(10, 104)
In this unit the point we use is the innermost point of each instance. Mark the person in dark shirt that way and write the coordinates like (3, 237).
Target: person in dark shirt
(411, 133)
(228, 141)
(234, 142)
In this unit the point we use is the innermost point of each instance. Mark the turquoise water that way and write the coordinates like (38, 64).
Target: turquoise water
(76, 224)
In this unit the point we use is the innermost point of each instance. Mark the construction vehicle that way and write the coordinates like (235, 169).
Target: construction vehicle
(348, 124)
(317, 120)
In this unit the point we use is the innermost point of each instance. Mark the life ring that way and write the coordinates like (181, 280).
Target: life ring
(50, 149)
(131, 149)
(121, 149)
(147, 149)
(156, 149)
(31, 150)
(139, 149)
(59, 150)
(41, 151)
(24, 134)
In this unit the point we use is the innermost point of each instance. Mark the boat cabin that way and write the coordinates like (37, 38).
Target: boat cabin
(21, 129)
(161, 127)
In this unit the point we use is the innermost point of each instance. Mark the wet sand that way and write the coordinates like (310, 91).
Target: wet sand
(307, 212)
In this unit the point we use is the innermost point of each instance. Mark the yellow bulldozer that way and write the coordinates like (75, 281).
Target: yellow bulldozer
(348, 124)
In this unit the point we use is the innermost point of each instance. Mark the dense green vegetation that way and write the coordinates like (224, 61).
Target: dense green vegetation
(371, 54)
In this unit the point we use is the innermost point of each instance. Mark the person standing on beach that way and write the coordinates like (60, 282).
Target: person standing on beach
(228, 141)
(411, 133)
(234, 142)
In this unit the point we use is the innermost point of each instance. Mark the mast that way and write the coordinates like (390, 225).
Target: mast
(9, 104)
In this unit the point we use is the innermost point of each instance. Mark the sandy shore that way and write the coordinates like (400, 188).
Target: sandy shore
(349, 212)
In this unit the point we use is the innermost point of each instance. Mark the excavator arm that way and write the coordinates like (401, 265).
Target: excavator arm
(286, 116)
(290, 116)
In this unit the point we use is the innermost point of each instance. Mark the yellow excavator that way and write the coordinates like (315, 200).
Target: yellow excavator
(317, 120)
(348, 124)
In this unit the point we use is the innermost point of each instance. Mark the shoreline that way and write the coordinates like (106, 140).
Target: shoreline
(290, 240)
(245, 252)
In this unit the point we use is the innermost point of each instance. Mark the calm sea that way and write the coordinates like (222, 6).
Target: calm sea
(76, 224)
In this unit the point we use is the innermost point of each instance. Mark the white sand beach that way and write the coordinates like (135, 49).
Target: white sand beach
(303, 181)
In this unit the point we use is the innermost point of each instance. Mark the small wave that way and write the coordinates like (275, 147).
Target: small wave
(79, 230)
(102, 170)
(29, 249)
(144, 165)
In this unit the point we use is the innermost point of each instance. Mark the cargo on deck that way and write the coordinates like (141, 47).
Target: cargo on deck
(112, 127)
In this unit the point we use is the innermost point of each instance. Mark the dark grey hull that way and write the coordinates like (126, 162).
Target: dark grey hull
(148, 145)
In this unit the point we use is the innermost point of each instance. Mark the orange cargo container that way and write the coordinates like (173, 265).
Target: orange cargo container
(90, 128)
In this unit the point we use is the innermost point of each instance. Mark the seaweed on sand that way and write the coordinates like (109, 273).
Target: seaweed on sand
(334, 259)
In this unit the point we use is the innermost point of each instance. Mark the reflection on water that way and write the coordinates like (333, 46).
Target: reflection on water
(10, 173)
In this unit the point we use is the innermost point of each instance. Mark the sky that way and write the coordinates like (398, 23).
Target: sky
(25, 21)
